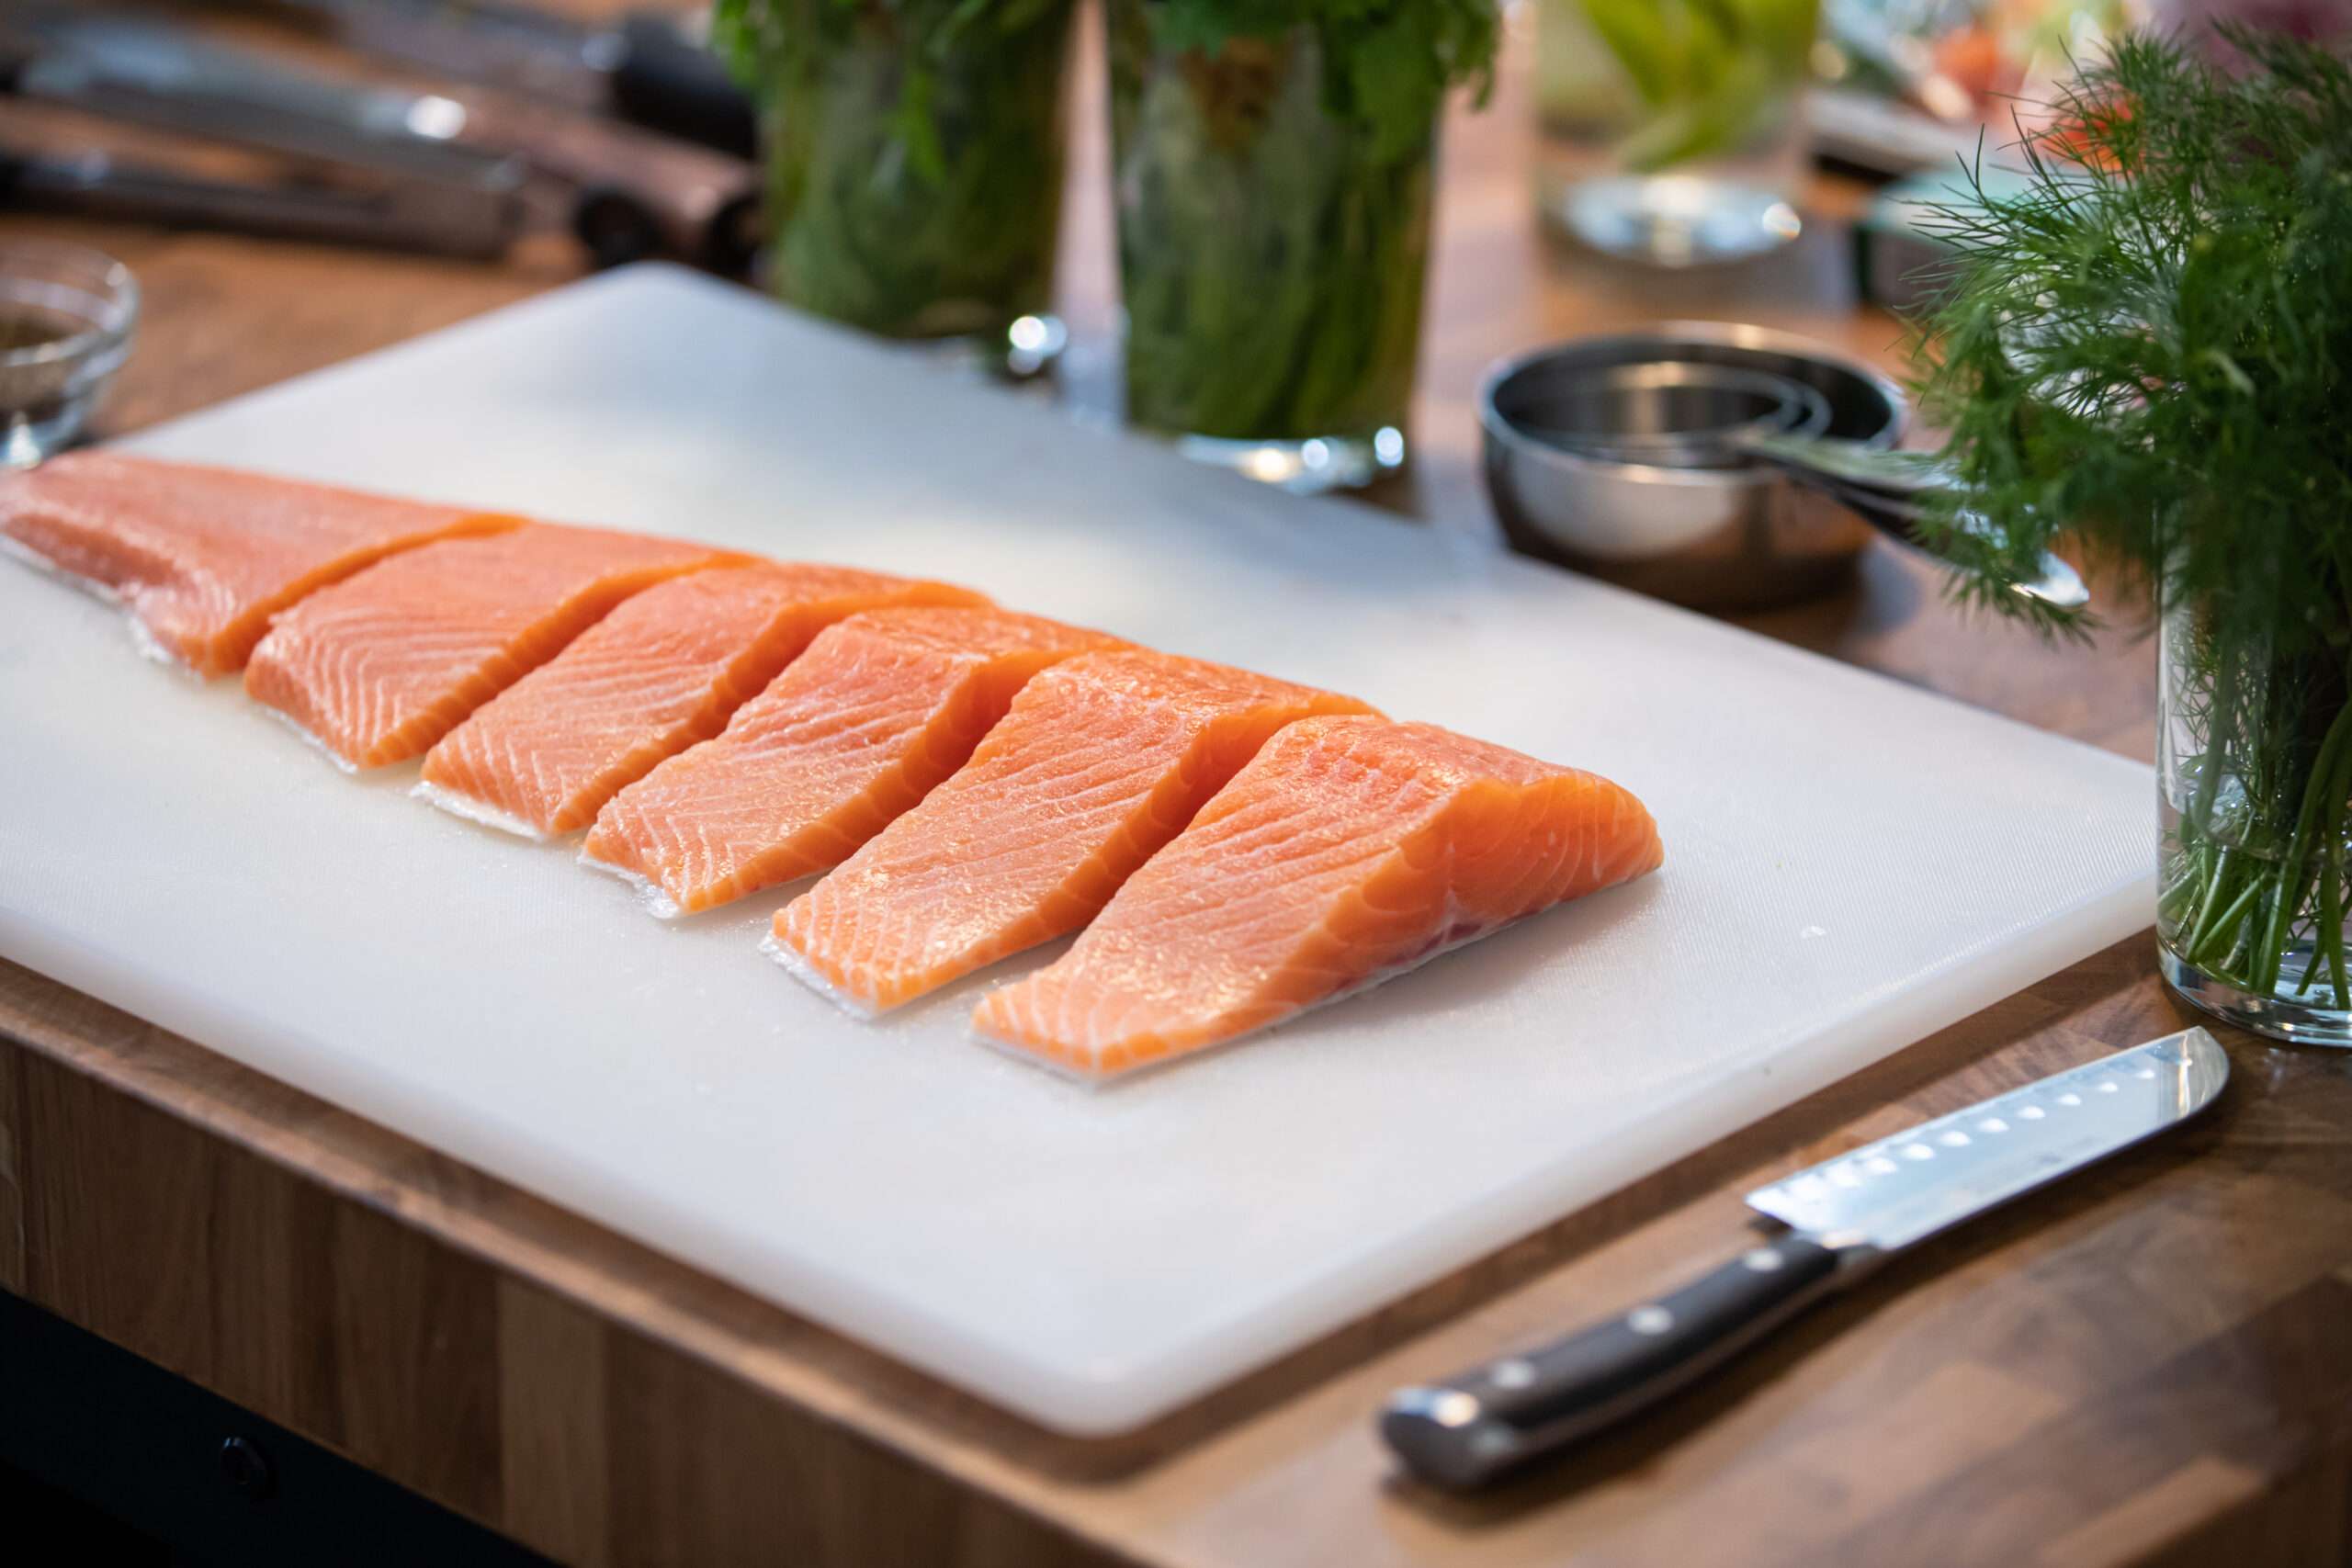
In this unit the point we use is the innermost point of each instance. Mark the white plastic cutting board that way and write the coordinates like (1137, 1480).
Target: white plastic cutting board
(1851, 865)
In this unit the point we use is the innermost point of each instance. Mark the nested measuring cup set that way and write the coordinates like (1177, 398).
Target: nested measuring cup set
(1715, 465)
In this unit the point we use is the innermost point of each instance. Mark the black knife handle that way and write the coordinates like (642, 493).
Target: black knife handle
(1461, 1433)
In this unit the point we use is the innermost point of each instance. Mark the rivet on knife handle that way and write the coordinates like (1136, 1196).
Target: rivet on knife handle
(1463, 1432)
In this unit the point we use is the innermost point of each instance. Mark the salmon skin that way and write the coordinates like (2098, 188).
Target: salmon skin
(203, 558)
(382, 665)
(1349, 851)
(1102, 761)
(857, 729)
(657, 675)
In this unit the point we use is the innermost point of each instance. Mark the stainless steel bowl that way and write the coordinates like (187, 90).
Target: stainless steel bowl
(1671, 413)
(1709, 537)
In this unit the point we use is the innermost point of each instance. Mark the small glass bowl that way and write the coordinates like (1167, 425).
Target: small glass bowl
(66, 316)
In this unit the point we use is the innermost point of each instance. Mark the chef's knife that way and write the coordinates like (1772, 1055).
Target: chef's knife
(1842, 1216)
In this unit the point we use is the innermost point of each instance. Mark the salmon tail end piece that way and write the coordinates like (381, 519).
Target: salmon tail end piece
(1349, 852)
(202, 559)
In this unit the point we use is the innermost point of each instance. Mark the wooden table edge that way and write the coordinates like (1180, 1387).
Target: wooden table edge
(567, 1268)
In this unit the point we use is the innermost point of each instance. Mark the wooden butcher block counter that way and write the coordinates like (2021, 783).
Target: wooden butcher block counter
(2152, 1363)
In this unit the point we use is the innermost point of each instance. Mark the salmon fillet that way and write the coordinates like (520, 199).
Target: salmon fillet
(1348, 851)
(856, 730)
(654, 677)
(1102, 761)
(202, 558)
(380, 666)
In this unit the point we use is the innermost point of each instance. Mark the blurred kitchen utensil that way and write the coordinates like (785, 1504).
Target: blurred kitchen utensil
(101, 185)
(649, 67)
(691, 191)
(66, 319)
(444, 172)
(635, 194)
(430, 192)
(1711, 536)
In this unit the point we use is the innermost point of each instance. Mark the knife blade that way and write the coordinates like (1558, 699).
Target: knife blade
(1842, 1218)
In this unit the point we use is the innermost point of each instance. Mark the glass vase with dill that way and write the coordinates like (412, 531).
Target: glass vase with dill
(914, 153)
(2147, 354)
(1274, 162)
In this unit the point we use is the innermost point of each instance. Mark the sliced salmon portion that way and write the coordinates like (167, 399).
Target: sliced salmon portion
(1102, 761)
(657, 675)
(1349, 851)
(382, 665)
(202, 558)
(857, 729)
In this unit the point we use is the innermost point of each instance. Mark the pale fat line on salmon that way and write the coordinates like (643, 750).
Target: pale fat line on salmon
(800, 969)
(149, 645)
(311, 739)
(18, 549)
(656, 899)
(457, 803)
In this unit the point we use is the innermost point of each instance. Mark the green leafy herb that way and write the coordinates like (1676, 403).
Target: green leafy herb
(1385, 65)
(2147, 355)
(1273, 174)
(1713, 74)
(914, 155)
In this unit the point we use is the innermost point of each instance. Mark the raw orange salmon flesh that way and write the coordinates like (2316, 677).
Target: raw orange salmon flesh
(1233, 849)
(881, 708)
(1102, 761)
(659, 674)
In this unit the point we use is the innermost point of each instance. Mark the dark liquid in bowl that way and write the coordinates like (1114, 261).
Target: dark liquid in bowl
(22, 328)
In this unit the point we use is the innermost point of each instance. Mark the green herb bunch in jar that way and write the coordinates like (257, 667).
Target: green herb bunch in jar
(2149, 352)
(1273, 163)
(914, 156)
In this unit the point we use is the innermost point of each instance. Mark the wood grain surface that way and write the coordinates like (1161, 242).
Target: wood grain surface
(2152, 1364)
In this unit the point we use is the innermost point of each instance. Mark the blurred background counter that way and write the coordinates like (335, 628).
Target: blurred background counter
(227, 313)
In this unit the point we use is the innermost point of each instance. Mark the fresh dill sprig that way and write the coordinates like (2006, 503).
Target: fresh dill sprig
(2147, 355)
(2147, 351)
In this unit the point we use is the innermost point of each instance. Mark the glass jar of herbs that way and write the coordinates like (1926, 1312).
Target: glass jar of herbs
(2142, 352)
(1273, 165)
(914, 158)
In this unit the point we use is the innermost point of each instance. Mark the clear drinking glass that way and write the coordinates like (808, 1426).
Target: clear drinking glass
(1673, 131)
(914, 163)
(2255, 766)
(1270, 257)
(66, 319)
